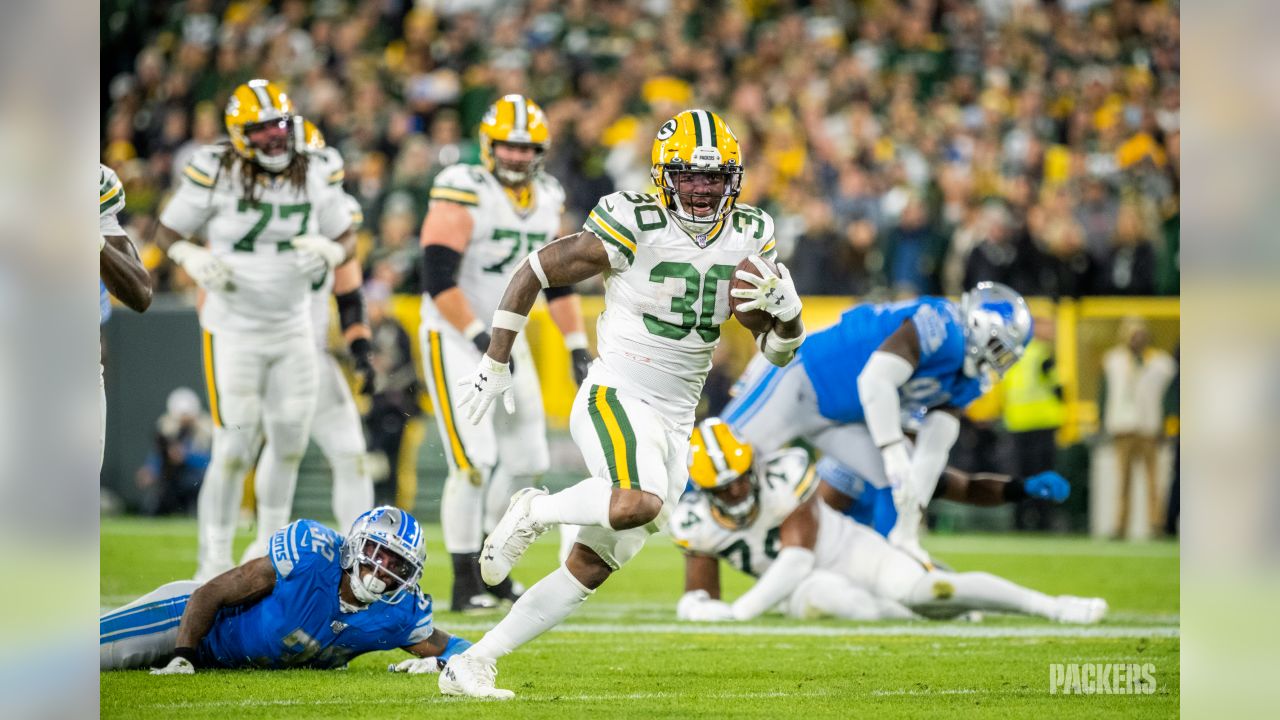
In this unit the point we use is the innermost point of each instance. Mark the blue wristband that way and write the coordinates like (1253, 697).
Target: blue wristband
(454, 646)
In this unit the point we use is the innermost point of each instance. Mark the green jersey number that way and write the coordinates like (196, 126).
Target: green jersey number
(745, 216)
(649, 216)
(696, 285)
(521, 245)
(739, 554)
(265, 211)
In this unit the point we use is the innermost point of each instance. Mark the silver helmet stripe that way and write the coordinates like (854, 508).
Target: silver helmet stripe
(714, 451)
(264, 99)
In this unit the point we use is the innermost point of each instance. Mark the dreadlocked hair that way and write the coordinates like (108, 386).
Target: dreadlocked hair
(251, 172)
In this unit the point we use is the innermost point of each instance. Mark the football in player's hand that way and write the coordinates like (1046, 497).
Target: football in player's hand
(757, 321)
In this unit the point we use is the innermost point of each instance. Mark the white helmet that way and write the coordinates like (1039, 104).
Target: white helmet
(997, 328)
(390, 541)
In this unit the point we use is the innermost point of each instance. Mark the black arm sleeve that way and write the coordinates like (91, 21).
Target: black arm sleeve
(558, 292)
(439, 268)
(351, 310)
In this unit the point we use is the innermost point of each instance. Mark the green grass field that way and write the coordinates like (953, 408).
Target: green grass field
(624, 655)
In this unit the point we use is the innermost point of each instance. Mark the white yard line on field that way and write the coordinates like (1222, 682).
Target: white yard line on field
(921, 629)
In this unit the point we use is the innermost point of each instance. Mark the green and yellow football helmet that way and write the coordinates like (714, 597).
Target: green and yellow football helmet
(717, 459)
(515, 120)
(696, 141)
(259, 107)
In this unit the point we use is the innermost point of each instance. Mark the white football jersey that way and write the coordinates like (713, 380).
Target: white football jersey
(501, 234)
(667, 294)
(786, 480)
(271, 282)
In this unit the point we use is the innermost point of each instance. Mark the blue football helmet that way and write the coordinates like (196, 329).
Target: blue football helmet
(997, 328)
(390, 541)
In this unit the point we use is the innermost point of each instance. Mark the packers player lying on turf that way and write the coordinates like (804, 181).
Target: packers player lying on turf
(316, 601)
(765, 519)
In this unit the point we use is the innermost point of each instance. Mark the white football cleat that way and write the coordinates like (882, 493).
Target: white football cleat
(471, 676)
(207, 570)
(513, 535)
(1085, 611)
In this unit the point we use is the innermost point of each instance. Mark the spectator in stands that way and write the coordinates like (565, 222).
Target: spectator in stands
(170, 478)
(1135, 378)
(1130, 267)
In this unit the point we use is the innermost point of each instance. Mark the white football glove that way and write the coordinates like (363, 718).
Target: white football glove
(775, 294)
(208, 271)
(897, 467)
(490, 380)
(176, 666)
(102, 241)
(697, 606)
(416, 666)
(332, 253)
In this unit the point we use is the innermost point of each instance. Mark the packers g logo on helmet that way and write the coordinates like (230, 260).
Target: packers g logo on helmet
(257, 104)
(516, 120)
(718, 457)
(696, 141)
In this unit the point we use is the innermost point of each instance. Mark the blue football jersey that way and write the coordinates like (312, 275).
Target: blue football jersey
(300, 624)
(104, 304)
(834, 357)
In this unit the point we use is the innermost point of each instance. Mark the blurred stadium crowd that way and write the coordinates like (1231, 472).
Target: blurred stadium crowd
(903, 146)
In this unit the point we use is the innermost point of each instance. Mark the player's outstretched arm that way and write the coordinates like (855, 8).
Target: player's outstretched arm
(432, 653)
(991, 489)
(798, 535)
(888, 369)
(563, 262)
(701, 600)
(244, 584)
(123, 273)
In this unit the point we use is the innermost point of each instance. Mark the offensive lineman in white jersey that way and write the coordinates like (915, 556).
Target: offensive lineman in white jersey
(668, 262)
(120, 272)
(481, 223)
(765, 519)
(336, 427)
(275, 221)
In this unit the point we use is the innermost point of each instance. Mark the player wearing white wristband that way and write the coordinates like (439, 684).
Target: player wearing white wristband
(482, 222)
(668, 262)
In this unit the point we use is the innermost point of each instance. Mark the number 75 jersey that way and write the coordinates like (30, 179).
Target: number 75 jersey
(667, 293)
(501, 234)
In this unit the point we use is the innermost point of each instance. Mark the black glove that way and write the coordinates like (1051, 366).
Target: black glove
(581, 360)
(362, 354)
(481, 342)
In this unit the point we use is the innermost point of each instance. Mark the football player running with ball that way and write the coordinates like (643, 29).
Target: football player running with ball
(763, 516)
(481, 223)
(668, 261)
(276, 221)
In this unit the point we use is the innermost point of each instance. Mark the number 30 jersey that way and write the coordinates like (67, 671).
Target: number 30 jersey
(271, 282)
(667, 294)
(501, 234)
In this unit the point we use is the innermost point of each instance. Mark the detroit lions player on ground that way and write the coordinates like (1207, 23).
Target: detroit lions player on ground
(317, 601)
(920, 360)
(121, 272)
(481, 223)
(276, 222)
(761, 515)
(668, 262)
